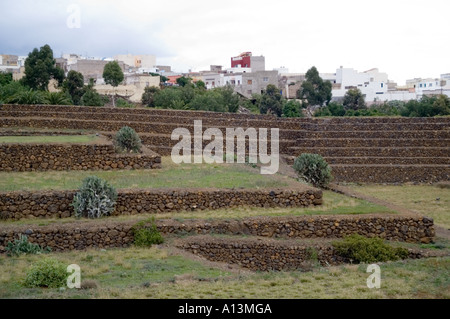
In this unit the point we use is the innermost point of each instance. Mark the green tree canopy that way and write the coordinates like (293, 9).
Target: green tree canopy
(40, 67)
(354, 100)
(314, 91)
(200, 84)
(5, 78)
(148, 97)
(183, 81)
(292, 109)
(271, 101)
(113, 74)
(74, 86)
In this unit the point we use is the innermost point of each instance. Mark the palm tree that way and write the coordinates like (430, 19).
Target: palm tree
(57, 98)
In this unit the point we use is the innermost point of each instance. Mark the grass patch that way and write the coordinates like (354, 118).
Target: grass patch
(156, 273)
(43, 139)
(430, 200)
(170, 176)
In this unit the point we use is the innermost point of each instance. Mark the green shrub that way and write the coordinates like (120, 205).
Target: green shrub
(146, 233)
(48, 272)
(22, 246)
(95, 199)
(92, 98)
(123, 103)
(292, 109)
(367, 250)
(313, 169)
(127, 140)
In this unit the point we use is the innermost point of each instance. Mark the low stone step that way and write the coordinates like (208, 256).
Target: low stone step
(373, 151)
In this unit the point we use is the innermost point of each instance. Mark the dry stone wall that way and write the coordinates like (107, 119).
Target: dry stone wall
(259, 255)
(43, 157)
(18, 205)
(98, 234)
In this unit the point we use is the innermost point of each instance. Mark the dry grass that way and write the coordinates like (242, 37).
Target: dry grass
(156, 273)
(430, 200)
(170, 176)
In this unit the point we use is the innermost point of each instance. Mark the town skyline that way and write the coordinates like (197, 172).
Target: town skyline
(404, 40)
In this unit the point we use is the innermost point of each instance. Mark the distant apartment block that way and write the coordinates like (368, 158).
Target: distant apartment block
(246, 62)
(145, 61)
(93, 69)
(375, 86)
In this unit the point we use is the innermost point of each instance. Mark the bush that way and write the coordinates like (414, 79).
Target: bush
(57, 98)
(368, 250)
(22, 246)
(91, 98)
(127, 140)
(313, 169)
(148, 95)
(292, 109)
(146, 235)
(49, 273)
(123, 103)
(95, 199)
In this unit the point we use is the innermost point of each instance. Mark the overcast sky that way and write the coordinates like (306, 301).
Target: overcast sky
(405, 39)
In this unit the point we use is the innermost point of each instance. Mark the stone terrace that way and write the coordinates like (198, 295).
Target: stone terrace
(375, 149)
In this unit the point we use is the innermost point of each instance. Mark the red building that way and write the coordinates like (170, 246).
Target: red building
(243, 60)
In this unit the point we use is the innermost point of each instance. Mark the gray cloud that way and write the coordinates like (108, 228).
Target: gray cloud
(104, 30)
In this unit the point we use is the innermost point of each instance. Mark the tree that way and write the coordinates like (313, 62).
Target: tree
(222, 99)
(314, 91)
(271, 101)
(169, 98)
(91, 98)
(74, 86)
(292, 109)
(40, 67)
(230, 99)
(354, 100)
(441, 106)
(57, 98)
(113, 75)
(200, 85)
(428, 106)
(183, 81)
(29, 96)
(210, 101)
(332, 109)
(5, 78)
(148, 97)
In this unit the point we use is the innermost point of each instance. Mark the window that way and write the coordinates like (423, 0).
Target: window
(249, 91)
(249, 82)
(239, 82)
(213, 83)
(424, 85)
(382, 84)
(266, 79)
(420, 85)
(430, 85)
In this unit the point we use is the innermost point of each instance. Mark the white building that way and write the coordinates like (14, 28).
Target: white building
(430, 86)
(372, 83)
(213, 80)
